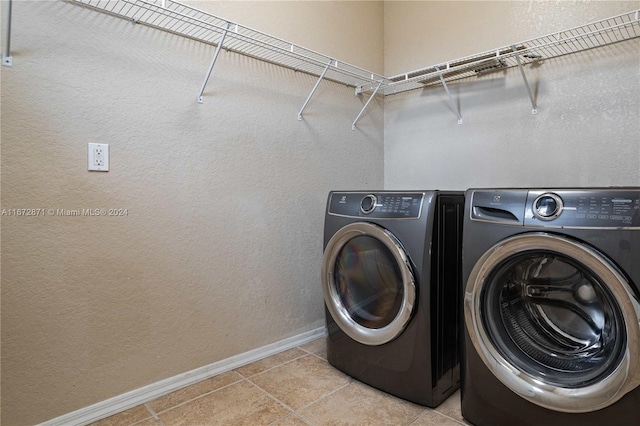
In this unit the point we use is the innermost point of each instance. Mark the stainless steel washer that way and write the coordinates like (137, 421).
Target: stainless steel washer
(391, 282)
(551, 307)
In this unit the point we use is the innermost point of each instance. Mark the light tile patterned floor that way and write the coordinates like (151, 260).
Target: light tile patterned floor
(297, 387)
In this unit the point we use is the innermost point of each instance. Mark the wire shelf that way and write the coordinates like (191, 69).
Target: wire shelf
(187, 21)
(596, 34)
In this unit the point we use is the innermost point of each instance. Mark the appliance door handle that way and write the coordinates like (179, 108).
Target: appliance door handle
(492, 214)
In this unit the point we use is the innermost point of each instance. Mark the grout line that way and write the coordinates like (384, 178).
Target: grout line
(307, 350)
(319, 357)
(304, 406)
(294, 415)
(154, 414)
(242, 379)
(422, 414)
(306, 420)
(270, 396)
(442, 414)
(316, 354)
(267, 357)
(324, 396)
(463, 423)
(275, 366)
(451, 418)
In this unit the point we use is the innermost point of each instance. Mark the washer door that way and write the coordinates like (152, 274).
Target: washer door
(555, 322)
(368, 283)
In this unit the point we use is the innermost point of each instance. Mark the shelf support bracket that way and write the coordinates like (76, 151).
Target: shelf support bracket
(7, 60)
(373, 95)
(451, 101)
(213, 62)
(314, 88)
(534, 107)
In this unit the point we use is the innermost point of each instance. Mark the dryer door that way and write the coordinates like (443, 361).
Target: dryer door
(368, 283)
(555, 322)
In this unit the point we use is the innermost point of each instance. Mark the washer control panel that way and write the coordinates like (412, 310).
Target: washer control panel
(385, 205)
(605, 208)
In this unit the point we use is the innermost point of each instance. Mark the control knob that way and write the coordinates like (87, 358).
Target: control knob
(547, 206)
(368, 204)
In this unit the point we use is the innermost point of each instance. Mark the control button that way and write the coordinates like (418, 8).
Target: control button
(547, 206)
(368, 204)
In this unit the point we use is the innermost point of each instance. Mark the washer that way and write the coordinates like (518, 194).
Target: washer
(551, 307)
(391, 280)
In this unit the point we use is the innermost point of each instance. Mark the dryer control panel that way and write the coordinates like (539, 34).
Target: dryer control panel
(381, 205)
(600, 208)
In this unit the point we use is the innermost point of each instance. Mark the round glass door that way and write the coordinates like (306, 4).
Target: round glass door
(368, 284)
(555, 322)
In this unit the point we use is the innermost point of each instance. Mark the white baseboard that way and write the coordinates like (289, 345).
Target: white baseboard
(136, 397)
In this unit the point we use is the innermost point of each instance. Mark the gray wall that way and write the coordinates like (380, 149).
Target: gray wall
(220, 250)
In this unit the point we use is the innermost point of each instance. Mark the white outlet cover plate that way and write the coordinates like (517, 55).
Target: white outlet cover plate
(98, 157)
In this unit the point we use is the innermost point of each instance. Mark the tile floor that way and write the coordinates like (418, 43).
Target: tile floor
(293, 388)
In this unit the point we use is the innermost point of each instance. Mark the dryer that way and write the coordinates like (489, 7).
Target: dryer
(551, 307)
(391, 281)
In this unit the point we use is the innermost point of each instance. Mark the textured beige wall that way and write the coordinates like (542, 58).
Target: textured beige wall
(419, 34)
(350, 31)
(586, 130)
(220, 250)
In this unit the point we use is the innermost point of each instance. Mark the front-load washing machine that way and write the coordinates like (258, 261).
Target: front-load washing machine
(551, 307)
(391, 280)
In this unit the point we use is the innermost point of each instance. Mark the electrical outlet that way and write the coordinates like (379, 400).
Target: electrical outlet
(98, 157)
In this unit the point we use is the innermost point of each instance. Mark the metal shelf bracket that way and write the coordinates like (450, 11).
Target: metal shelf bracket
(7, 60)
(373, 95)
(451, 101)
(314, 88)
(534, 107)
(213, 62)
